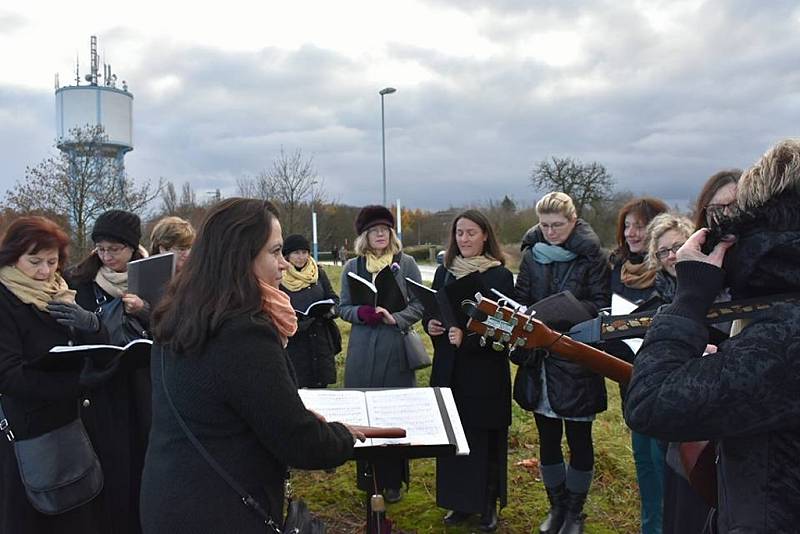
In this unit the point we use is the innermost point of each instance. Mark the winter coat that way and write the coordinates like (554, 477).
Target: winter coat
(745, 395)
(36, 402)
(628, 293)
(239, 397)
(317, 340)
(376, 356)
(572, 390)
(117, 419)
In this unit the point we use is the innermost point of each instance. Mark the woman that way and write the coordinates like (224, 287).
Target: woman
(172, 234)
(317, 340)
(717, 199)
(38, 312)
(221, 333)
(744, 396)
(684, 510)
(479, 378)
(376, 355)
(117, 416)
(634, 279)
(561, 253)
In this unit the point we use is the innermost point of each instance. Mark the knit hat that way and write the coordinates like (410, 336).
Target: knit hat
(118, 225)
(370, 216)
(295, 242)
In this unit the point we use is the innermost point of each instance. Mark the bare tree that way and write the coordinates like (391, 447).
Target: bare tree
(184, 206)
(585, 183)
(80, 184)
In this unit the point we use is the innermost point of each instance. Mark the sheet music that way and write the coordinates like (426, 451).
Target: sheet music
(462, 445)
(337, 405)
(414, 409)
(622, 306)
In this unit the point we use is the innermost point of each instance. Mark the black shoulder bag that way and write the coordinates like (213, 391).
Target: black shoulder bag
(59, 469)
(299, 519)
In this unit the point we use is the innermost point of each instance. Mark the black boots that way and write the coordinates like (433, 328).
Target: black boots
(573, 524)
(558, 510)
(489, 517)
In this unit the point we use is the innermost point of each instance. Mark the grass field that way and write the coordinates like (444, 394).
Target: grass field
(613, 504)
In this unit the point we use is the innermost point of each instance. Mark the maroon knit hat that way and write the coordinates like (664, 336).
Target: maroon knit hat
(370, 216)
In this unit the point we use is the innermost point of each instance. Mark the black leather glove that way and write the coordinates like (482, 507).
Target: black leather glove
(70, 314)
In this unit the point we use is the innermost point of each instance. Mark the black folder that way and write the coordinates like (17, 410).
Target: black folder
(383, 292)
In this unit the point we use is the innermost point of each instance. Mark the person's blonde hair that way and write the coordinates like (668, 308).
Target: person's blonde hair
(361, 245)
(558, 203)
(660, 225)
(171, 232)
(776, 172)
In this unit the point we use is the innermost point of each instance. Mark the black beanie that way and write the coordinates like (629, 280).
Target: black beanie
(370, 216)
(118, 225)
(295, 242)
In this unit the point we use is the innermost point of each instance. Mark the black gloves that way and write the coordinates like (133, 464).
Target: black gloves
(70, 314)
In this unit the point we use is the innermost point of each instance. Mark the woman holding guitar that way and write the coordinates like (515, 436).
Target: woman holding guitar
(479, 377)
(561, 253)
(744, 395)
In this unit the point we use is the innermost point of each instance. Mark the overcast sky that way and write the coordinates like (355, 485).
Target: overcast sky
(662, 93)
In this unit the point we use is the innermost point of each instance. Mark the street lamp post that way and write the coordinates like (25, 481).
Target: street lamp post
(383, 92)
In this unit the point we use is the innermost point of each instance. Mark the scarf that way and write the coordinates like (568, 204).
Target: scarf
(461, 266)
(545, 253)
(36, 292)
(376, 263)
(295, 280)
(112, 282)
(637, 275)
(277, 305)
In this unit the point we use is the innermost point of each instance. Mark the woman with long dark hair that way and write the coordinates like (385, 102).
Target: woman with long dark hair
(563, 253)
(38, 312)
(479, 378)
(220, 362)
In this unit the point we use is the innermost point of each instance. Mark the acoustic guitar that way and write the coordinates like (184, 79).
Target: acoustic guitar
(503, 326)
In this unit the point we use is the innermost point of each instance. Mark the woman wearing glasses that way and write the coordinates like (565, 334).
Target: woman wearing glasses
(563, 253)
(175, 235)
(117, 415)
(717, 199)
(376, 355)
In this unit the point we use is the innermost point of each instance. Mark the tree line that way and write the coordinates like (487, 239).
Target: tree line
(75, 186)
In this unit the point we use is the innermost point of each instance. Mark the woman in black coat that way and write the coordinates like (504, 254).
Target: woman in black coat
(744, 395)
(221, 333)
(317, 341)
(117, 416)
(563, 253)
(479, 378)
(38, 312)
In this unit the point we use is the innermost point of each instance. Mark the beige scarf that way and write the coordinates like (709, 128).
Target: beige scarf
(112, 282)
(277, 305)
(36, 292)
(637, 275)
(376, 263)
(295, 280)
(461, 266)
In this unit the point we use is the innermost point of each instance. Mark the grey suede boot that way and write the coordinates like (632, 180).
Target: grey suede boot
(558, 510)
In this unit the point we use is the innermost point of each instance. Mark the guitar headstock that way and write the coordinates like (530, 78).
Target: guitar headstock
(505, 326)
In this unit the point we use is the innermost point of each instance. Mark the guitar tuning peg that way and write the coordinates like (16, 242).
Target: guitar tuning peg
(490, 332)
(506, 337)
(497, 346)
(519, 342)
(528, 327)
(498, 314)
(482, 341)
(513, 322)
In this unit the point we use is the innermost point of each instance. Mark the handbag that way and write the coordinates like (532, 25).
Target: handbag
(526, 382)
(416, 354)
(299, 519)
(59, 469)
(122, 327)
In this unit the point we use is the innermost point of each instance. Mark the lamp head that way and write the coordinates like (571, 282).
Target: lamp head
(387, 91)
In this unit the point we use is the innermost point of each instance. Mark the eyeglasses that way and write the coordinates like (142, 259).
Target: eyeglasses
(552, 226)
(716, 212)
(110, 251)
(179, 250)
(663, 253)
(380, 229)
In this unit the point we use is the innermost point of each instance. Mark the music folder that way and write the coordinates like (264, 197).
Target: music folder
(134, 355)
(383, 292)
(148, 277)
(428, 415)
(445, 304)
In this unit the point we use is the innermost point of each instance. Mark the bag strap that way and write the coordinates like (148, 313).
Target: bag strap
(4, 428)
(247, 499)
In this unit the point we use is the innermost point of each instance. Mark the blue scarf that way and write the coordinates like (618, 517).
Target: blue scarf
(544, 253)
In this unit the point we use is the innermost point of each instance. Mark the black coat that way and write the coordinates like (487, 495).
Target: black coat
(746, 395)
(239, 398)
(317, 340)
(632, 294)
(573, 390)
(36, 402)
(117, 420)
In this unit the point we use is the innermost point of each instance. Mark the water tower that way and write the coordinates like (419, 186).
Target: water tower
(99, 103)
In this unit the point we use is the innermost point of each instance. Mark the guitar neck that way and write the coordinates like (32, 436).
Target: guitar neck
(598, 361)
